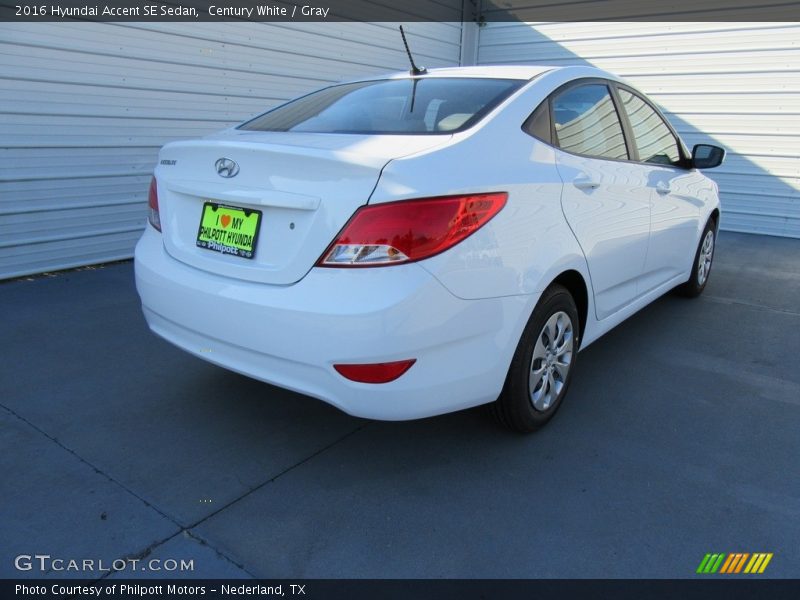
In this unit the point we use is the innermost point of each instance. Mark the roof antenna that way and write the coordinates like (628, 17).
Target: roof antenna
(415, 70)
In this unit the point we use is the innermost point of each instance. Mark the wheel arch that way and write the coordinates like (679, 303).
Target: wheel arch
(576, 285)
(715, 214)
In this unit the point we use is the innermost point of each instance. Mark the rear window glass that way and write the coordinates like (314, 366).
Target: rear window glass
(391, 106)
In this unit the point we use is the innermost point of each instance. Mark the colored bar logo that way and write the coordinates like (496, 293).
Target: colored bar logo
(735, 562)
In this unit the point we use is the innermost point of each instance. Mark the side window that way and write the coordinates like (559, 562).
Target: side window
(586, 122)
(538, 124)
(653, 138)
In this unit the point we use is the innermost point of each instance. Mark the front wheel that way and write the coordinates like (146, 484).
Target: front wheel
(543, 363)
(702, 263)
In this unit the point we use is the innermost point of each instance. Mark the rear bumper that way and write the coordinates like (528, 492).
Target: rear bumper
(291, 336)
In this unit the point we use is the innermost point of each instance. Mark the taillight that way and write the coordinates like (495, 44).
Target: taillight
(409, 230)
(375, 372)
(152, 202)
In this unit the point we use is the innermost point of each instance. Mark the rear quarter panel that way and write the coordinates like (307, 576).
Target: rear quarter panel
(525, 246)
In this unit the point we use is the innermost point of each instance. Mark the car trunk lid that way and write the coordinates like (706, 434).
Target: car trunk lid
(306, 187)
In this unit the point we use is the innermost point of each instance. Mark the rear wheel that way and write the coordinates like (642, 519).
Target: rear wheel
(703, 260)
(542, 367)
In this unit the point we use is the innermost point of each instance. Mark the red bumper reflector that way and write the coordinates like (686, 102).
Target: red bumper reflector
(376, 372)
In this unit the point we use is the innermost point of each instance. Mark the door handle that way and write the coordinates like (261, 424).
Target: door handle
(663, 188)
(584, 182)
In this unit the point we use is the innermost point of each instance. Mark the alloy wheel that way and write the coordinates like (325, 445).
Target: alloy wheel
(704, 260)
(551, 361)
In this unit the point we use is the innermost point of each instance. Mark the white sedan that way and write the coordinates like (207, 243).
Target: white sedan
(416, 244)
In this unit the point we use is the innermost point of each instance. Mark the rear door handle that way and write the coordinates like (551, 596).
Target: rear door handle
(663, 188)
(584, 182)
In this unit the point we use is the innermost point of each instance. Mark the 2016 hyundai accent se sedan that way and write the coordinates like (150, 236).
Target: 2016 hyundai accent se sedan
(411, 245)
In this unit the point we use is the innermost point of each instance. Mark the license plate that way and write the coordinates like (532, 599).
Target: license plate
(229, 229)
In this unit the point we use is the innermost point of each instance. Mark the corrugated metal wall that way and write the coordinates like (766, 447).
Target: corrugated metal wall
(84, 108)
(735, 84)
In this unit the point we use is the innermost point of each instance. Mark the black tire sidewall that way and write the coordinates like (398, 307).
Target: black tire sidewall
(693, 288)
(516, 394)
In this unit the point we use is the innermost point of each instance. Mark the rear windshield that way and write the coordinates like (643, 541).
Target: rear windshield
(391, 106)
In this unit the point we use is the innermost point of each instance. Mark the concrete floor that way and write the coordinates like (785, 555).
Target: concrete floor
(681, 436)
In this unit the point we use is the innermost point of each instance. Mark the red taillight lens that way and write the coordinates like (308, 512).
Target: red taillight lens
(376, 372)
(409, 230)
(152, 202)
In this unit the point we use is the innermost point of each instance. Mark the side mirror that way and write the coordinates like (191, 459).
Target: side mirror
(707, 156)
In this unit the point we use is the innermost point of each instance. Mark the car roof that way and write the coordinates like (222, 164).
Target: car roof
(521, 72)
(496, 72)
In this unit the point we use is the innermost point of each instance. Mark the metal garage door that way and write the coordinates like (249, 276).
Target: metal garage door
(737, 83)
(84, 108)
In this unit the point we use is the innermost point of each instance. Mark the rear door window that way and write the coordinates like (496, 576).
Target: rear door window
(586, 122)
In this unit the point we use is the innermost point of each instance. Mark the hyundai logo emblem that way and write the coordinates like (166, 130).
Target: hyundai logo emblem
(226, 167)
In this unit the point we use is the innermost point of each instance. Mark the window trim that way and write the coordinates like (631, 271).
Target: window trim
(526, 125)
(627, 132)
(684, 160)
(566, 87)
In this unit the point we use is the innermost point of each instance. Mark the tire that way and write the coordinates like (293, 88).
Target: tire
(703, 260)
(543, 364)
